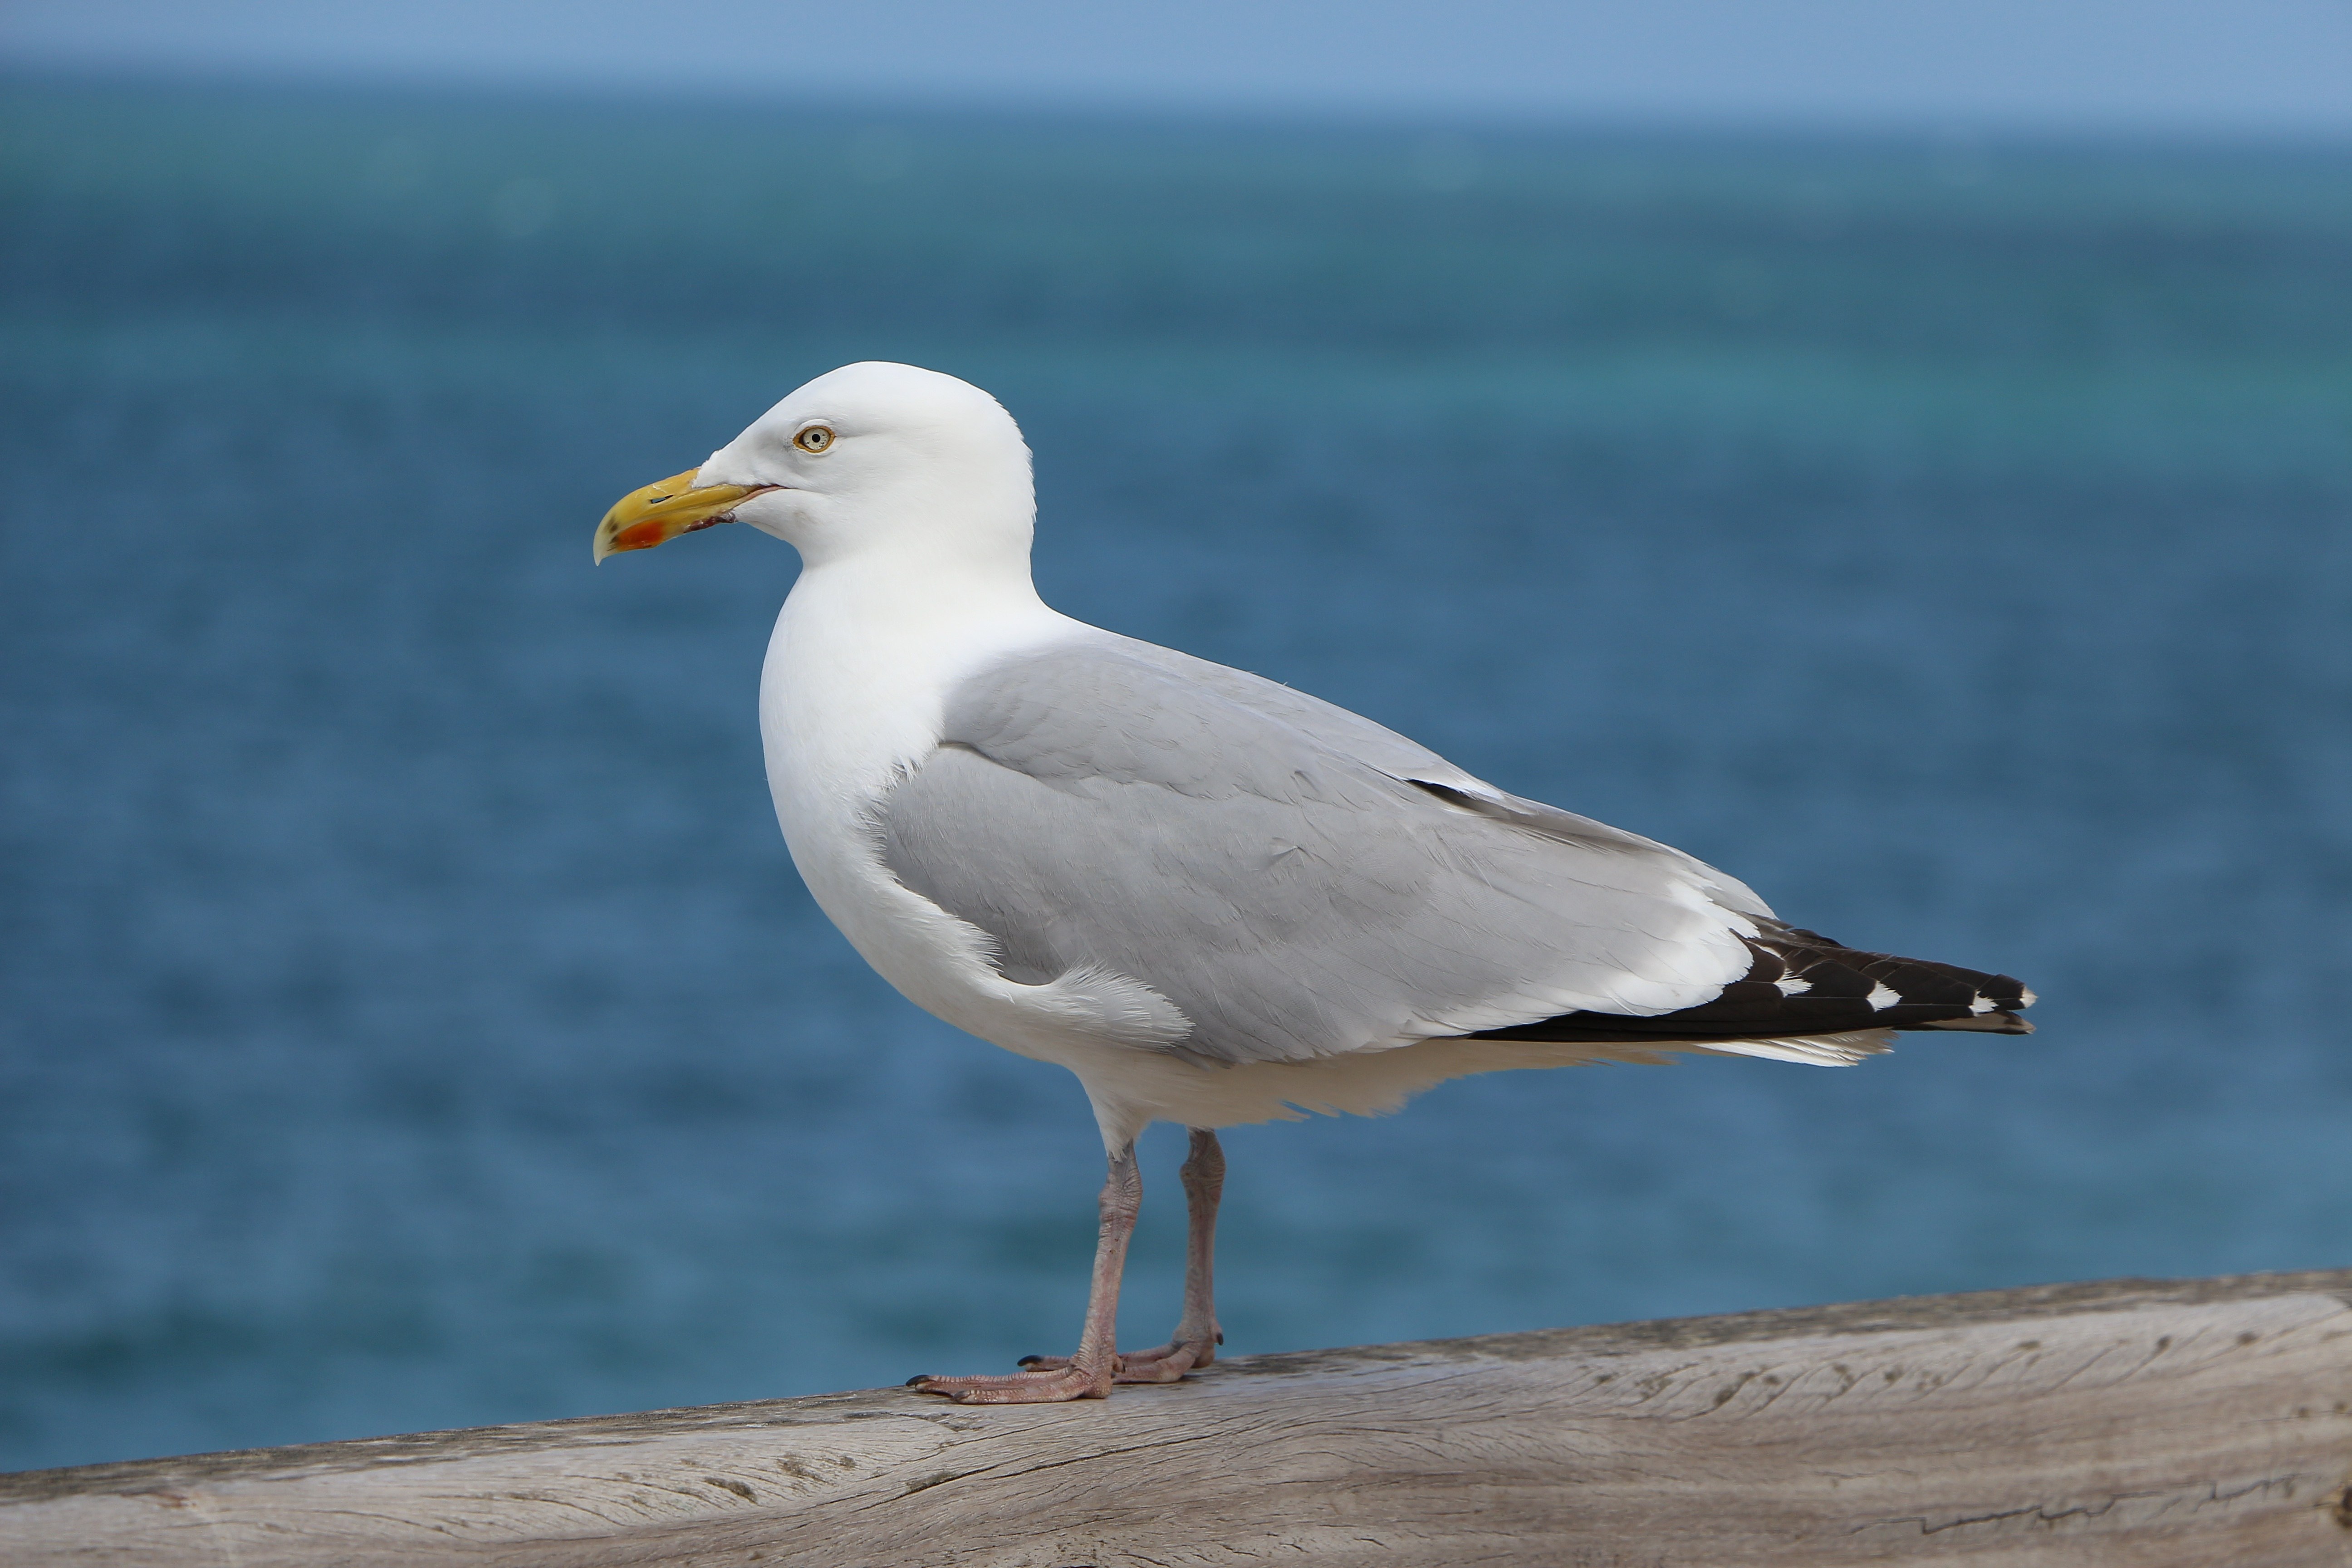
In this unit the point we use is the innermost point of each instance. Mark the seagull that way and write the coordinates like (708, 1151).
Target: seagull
(1215, 899)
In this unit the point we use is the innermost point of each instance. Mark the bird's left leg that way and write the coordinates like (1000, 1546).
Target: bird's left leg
(1089, 1374)
(1197, 1337)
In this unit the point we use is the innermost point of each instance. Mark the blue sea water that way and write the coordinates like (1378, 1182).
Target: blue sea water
(412, 1018)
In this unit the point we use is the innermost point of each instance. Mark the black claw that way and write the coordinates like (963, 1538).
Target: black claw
(1029, 1360)
(919, 1378)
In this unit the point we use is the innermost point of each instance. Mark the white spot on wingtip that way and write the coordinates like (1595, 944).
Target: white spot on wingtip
(1883, 995)
(2025, 998)
(1792, 986)
(1980, 1003)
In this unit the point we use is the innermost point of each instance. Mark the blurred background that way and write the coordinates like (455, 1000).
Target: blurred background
(1902, 455)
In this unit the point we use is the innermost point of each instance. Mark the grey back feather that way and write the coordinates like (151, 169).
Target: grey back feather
(1297, 879)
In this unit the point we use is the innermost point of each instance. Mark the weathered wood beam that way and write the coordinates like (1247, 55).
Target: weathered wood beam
(2203, 1423)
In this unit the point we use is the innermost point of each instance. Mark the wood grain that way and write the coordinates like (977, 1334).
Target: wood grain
(2205, 1423)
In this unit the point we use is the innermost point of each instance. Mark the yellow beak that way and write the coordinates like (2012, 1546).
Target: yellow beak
(661, 511)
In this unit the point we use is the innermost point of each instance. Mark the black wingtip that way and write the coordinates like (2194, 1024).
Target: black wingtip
(1802, 984)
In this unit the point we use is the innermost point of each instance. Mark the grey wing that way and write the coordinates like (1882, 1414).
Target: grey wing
(1402, 758)
(1090, 805)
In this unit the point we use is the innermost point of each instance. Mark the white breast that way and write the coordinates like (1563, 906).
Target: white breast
(853, 695)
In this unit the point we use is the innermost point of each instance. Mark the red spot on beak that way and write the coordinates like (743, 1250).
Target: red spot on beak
(641, 535)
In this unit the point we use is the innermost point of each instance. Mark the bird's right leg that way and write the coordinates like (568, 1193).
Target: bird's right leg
(1197, 1337)
(1089, 1374)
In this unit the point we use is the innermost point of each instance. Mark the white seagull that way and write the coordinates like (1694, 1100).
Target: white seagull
(1215, 899)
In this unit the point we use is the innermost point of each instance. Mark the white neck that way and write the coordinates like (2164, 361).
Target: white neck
(864, 653)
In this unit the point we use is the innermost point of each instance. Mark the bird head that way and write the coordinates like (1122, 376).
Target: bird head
(871, 456)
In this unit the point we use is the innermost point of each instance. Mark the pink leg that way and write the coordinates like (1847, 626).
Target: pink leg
(1087, 1374)
(1197, 1337)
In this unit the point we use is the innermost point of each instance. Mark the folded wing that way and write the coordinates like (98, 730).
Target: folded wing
(1299, 881)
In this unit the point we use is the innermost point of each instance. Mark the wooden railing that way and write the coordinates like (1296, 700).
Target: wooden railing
(2205, 1423)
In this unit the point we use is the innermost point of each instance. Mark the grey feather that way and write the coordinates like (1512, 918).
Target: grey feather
(1298, 881)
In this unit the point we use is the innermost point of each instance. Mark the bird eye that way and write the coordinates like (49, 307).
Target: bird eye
(815, 438)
